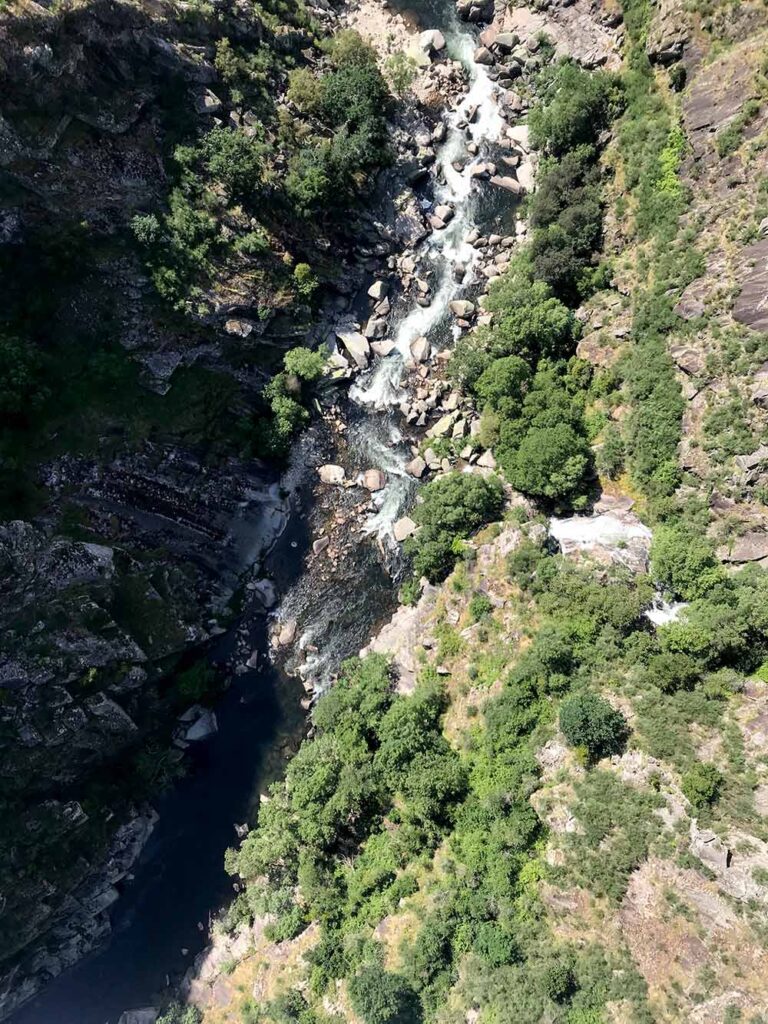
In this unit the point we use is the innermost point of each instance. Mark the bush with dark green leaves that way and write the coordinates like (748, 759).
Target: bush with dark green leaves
(701, 784)
(672, 672)
(380, 997)
(550, 462)
(453, 507)
(683, 561)
(22, 389)
(178, 1014)
(578, 107)
(588, 720)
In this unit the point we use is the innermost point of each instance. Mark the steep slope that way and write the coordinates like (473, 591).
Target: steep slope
(162, 201)
(540, 793)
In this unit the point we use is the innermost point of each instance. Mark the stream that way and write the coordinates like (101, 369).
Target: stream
(179, 882)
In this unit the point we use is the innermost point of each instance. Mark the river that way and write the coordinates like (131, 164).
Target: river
(179, 881)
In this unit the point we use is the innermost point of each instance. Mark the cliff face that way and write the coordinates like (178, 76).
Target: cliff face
(132, 497)
(568, 881)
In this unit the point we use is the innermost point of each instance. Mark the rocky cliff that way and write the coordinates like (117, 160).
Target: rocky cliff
(136, 500)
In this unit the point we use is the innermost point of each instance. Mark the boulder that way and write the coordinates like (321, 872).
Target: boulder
(462, 308)
(287, 633)
(203, 727)
(749, 547)
(416, 467)
(506, 41)
(331, 474)
(475, 10)
(752, 466)
(208, 103)
(711, 850)
(403, 528)
(443, 426)
(487, 461)
(375, 329)
(519, 134)
(358, 348)
(432, 41)
(506, 182)
(482, 170)
(374, 480)
(420, 349)
(669, 31)
(320, 545)
(483, 55)
(240, 328)
(147, 1015)
(382, 348)
(378, 290)
(444, 212)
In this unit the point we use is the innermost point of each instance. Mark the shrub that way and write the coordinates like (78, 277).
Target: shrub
(290, 1008)
(550, 462)
(21, 387)
(305, 91)
(306, 364)
(683, 561)
(305, 281)
(402, 70)
(380, 997)
(701, 785)
(178, 1014)
(494, 945)
(589, 721)
(671, 672)
(453, 507)
(480, 607)
(610, 455)
(583, 104)
(236, 160)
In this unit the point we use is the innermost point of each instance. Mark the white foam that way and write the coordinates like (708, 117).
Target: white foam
(662, 612)
(607, 530)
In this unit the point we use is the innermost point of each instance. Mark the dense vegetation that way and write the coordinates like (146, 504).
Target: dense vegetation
(379, 816)
(232, 199)
(522, 370)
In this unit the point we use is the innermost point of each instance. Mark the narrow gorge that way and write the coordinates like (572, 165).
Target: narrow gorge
(384, 536)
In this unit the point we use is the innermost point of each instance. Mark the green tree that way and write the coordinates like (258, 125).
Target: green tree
(683, 561)
(589, 721)
(503, 384)
(701, 785)
(306, 364)
(550, 462)
(380, 997)
(453, 507)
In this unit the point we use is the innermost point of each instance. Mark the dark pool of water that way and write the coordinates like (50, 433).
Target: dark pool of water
(180, 878)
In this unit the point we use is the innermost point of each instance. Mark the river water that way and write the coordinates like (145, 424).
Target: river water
(179, 882)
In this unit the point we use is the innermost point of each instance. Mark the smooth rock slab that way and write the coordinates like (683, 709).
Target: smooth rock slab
(358, 348)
